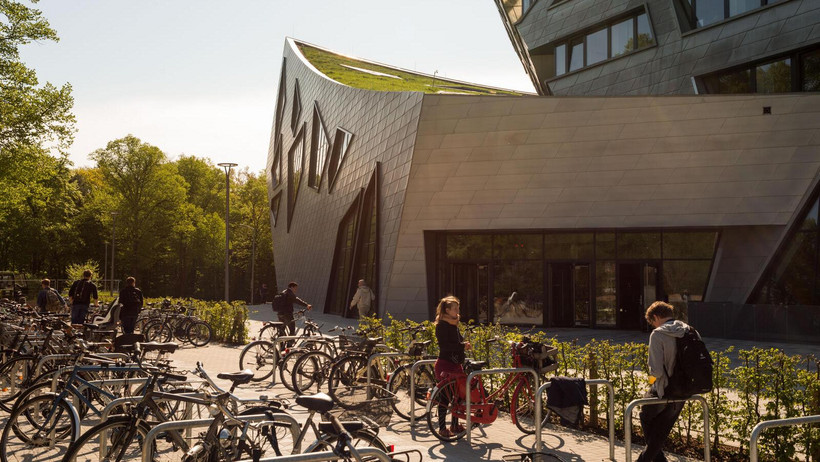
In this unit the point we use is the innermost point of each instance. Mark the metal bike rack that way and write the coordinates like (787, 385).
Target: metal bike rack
(46, 358)
(276, 342)
(753, 450)
(515, 370)
(645, 401)
(610, 413)
(148, 445)
(369, 453)
(373, 357)
(413, 370)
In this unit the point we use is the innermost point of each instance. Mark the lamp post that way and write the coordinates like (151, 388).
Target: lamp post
(105, 264)
(227, 166)
(113, 243)
(253, 255)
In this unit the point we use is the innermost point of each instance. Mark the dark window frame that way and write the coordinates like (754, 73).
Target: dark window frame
(276, 207)
(293, 189)
(797, 77)
(694, 19)
(296, 112)
(314, 145)
(337, 158)
(607, 25)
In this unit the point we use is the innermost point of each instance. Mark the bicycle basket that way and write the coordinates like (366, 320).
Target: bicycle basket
(377, 409)
(540, 357)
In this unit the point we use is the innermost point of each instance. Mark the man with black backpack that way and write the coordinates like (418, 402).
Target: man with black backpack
(80, 294)
(677, 369)
(283, 305)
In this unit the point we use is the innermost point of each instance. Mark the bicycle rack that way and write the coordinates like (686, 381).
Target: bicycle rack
(753, 450)
(46, 358)
(148, 445)
(369, 453)
(276, 342)
(645, 401)
(373, 357)
(610, 413)
(514, 370)
(413, 370)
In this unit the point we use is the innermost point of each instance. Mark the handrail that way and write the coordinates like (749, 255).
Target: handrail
(513, 370)
(148, 445)
(413, 370)
(610, 413)
(373, 357)
(368, 453)
(645, 401)
(758, 429)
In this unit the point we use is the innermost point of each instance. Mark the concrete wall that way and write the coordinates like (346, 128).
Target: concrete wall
(668, 67)
(384, 126)
(620, 162)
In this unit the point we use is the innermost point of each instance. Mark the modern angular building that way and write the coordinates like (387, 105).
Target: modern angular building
(555, 210)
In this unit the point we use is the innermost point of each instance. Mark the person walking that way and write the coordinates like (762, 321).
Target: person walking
(451, 355)
(80, 295)
(363, 299)
(131, 300)
(263, 293)
(285, 311)
(657, 420)
(49, 300)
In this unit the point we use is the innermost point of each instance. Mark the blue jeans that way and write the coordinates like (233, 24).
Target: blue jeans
(78, 313)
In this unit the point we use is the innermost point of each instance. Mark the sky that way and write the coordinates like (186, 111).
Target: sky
(199, 77)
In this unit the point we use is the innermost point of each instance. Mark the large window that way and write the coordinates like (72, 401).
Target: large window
(707, 12)
(319, 147)
(793, 279)
(296, 162)
(604, 42)
(341, 144)
(799, 71)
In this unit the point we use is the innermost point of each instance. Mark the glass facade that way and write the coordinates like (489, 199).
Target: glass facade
(600, 279)
(706, 12)
(799, 71)
(609, 41)
(793, 278)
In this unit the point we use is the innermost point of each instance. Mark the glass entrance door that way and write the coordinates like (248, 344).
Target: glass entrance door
(637, 289)
(582, 293)
(561, 303)
(471, 284)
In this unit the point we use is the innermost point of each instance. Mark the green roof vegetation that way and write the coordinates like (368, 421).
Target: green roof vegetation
(354, 73)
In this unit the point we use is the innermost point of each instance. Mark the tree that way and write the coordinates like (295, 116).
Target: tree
(252, 209)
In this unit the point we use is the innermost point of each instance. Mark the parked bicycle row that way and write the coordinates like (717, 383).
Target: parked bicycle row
(55, 383)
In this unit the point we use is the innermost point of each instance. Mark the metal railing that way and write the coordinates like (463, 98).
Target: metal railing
(365, 453)
(514, 370)
(610, 413)
(753, 449)
(373, 357)
(646, 401)
(413, 370)
(148, 445)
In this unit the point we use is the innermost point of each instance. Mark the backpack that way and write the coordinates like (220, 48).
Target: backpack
(280, 302)
(80, 294)
(693, 367)
(53, 301)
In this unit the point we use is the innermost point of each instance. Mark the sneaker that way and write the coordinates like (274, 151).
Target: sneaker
(446, 433)
(457, 429)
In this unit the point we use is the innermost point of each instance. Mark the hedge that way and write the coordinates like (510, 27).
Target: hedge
(228, 320)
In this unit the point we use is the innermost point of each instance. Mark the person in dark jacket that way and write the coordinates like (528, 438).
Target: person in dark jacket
(131, 300)
(286, 315)
(451, 347)
(264, 293)
(81, 294)
(43, 298)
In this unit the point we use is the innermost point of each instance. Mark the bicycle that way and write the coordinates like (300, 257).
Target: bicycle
(185, 327)
(449, 399)
(398, 382)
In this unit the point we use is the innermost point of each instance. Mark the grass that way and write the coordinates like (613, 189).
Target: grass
(330, 64)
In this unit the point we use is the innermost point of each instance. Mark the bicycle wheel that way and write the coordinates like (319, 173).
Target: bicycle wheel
(122, 439)
(446, 408)
(311, 370)
(399, 385)
(43, 438)
(286, 366)
(347, 383)
(158, 331)
(15, 376)
(359, 439)
(271, 332)
(199, 333)
(522, 407)
(274, 440)
(260, 357)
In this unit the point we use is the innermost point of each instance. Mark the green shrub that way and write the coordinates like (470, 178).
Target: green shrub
(228, 321)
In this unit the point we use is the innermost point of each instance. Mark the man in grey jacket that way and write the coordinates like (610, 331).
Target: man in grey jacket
(363, 299)
(657, 420)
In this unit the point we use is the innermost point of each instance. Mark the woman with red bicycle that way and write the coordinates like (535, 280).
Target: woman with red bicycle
(451, 347)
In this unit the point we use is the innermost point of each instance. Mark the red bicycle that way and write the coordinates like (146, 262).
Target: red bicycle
(447, 402)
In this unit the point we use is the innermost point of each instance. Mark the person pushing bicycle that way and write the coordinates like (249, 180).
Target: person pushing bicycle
(451, 356)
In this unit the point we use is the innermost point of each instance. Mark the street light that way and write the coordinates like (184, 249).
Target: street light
(113, 242)
(253, 255)
(227, 166)
(105, 277)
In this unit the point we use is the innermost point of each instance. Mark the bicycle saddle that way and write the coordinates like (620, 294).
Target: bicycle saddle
(168, 347)
(475, 365)
(320, 402)
(238, 378)
(274, 323)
